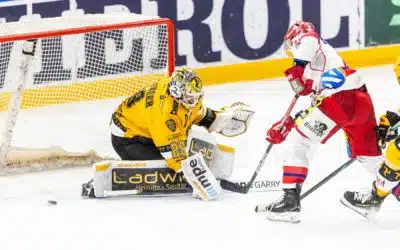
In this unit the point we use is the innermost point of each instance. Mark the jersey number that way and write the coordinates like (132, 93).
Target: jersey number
(178, 149)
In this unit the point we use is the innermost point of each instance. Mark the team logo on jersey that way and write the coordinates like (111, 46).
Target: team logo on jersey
(171, 125)
(318, 129)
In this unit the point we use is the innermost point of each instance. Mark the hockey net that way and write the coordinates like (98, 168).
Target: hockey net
(68, 61)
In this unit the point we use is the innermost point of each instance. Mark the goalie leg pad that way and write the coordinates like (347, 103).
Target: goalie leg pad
(200, 177)
(119, 178)
(219, 158)
(223, 162)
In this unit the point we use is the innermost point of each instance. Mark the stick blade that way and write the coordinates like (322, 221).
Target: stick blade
(234, 187)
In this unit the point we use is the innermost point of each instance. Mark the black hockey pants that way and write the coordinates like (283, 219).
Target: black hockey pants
(137, 148)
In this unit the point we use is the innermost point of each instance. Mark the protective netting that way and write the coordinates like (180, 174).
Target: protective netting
(84, 58)
(88, 65)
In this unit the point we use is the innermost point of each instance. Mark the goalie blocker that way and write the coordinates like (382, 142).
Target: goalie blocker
(206, 163)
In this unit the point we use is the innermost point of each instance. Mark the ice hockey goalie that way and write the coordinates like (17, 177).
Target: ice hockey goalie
(154, 124)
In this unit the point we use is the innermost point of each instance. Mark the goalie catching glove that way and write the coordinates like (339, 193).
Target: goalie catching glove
(232, 121)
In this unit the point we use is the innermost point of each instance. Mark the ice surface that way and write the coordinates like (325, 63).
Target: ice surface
(27, 222)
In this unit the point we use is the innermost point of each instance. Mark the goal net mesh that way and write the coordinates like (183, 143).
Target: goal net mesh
(78, 59)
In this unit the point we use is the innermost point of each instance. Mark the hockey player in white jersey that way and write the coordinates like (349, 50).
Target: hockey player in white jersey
(339, 100)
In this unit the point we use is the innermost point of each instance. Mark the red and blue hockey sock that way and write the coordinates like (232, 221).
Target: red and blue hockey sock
(293, 175)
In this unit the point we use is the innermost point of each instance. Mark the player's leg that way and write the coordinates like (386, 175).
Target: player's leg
(370, 157)
(313, 127)
(361, 133)
(295, 169)
(153, 177)
(129, 149)
(363, 144)
(138, 148)
(387, 181)
(353, 111)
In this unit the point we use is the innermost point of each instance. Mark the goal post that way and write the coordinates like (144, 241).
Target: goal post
(78, 60)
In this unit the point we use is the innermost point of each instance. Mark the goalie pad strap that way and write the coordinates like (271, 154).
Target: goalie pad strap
(208, 119)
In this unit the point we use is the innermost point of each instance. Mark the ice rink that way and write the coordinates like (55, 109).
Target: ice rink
(146, 223)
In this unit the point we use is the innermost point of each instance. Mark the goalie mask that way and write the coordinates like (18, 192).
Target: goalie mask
(186, 87)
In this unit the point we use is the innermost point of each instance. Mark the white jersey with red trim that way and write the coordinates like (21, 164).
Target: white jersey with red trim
(321, 57)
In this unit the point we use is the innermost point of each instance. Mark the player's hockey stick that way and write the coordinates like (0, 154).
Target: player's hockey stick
(244, 189)
(326, 179)
(263, 207)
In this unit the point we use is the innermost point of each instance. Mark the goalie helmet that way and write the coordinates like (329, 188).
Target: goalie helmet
(186, 87)
(298, 28)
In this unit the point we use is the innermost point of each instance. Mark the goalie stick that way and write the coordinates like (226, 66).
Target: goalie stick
(244, 189)
(263, 207)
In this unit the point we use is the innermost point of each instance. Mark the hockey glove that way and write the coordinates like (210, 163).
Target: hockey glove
(385, 123)
(295, 78)
(232, 121)
(278, 132)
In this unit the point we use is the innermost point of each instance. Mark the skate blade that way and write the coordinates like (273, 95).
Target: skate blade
(367, 214)
(292, 217)
(262, 208)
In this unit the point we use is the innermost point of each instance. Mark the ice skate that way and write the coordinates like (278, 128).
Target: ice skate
(88, 189)
(287, 208)
(367, 204)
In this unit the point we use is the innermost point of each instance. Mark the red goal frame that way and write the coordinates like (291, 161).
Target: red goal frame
(123, 25)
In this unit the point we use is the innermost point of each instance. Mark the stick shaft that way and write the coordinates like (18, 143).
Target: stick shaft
(235, 187)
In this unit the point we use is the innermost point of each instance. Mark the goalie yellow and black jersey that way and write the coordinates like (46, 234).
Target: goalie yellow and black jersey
(152, 113)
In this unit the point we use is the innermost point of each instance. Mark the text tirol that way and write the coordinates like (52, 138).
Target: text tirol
(212, 31)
